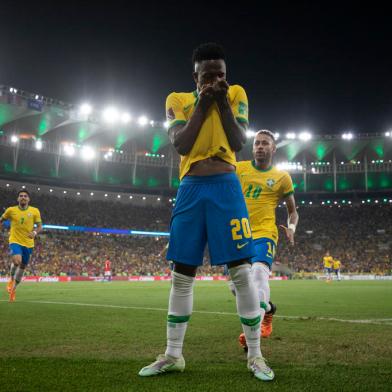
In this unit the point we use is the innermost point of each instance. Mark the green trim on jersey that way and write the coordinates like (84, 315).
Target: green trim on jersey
(242, 120)
(288, 193)
(261, 170)
(176, 123)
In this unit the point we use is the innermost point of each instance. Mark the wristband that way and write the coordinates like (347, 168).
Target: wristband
(35, 233)
(292, 226)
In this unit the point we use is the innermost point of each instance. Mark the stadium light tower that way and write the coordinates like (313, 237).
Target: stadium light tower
(305, 136)
(88, 153)
(142, 120)
(14, 139)
(388, 134)
(38, 144)
(85, 109)
(110, 115)
(291, 135)
(347, 136)
(250, 133)
(69, 150)
(126, 118)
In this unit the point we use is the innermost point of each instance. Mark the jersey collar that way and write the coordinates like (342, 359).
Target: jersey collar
(261, 170)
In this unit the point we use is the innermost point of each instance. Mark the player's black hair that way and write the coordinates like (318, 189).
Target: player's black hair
(266, 132)
(208, 51)
(24, 191)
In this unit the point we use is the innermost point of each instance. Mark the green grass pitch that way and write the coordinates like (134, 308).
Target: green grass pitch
(54, 339)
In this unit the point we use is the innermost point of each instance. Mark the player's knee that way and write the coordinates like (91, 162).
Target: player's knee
(17, 260)
(182, 284)
(240, 275)
(260, 271)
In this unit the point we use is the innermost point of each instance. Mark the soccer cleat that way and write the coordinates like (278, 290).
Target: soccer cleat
(163, 364)
(266, 324)
(12, 295)
(242, 342)
(259, 368)
(10, 285)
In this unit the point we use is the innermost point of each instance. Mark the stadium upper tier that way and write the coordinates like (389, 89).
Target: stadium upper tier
(44, 139)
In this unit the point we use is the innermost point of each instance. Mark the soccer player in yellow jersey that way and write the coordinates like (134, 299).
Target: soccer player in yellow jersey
(207, 127)
(21, 240)
(264, 186)
(336, 268)
(327, 262)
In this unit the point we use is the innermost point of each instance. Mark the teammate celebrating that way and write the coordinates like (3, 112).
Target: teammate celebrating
(21, 240)
(336, 268)
(327, 262)
(264, 186)
(206, 127)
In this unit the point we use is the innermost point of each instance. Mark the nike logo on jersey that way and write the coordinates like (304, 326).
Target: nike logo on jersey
(240, 246)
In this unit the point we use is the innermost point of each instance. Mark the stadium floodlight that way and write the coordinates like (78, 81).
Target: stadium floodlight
(14, 139)
(158, 199)
(11, 89)
(291, 135)
(69, 150)
(305, 136)
(118, 196)
(92, 194)
(152, 123)
(388, 134)
(38, 189)
(250, 133)
(38, 144)
(65, 192)
(7, 185)
(131, 197)
(126, 118)
(50, 190)
(347, 136)
(78, 193)
(106, 195)
(144, 197)
(166, 124)
(85, 109)
(142, 120)
(276, 135)
(110, 115)
(88, 153)
(36, 96)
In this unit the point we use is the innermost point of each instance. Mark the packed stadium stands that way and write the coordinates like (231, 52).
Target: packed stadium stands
(357, 234)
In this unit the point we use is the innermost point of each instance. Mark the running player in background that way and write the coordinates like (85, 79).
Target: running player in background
(22, 219)
(207, 127)
(327, 262)
(264, 186)
(107, 275)
(336, 268)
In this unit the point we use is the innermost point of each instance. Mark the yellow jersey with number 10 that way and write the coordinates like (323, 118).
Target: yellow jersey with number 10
(263, 189)
(212, 140)
(22, 223)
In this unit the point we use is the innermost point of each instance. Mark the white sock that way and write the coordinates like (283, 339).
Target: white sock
(19, 275)
(248, 307)
(180, 310)
(12, 270)
(260, 274)
(231, 287)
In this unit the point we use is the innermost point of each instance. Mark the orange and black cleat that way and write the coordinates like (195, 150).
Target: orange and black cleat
(266, 324)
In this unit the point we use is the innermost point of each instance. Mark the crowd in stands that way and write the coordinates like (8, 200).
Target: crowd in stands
(360, 236)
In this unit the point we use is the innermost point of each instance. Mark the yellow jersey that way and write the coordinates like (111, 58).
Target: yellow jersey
(327, 260)
(336, 264)
(22, 223)
(263, 189)
(212, 140)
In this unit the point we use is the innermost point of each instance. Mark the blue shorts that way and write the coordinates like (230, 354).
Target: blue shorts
(265, 251)
(16, 249)
(210, 209)
(328, 270)
(336, 271)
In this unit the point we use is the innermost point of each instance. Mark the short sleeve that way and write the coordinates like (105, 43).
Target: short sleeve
(7, 214)
(240, 105)
(174, 110)
(37, 216)
(287, 188)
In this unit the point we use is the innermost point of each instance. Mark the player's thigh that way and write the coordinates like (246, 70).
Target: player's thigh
(265, 249)
(228, 230)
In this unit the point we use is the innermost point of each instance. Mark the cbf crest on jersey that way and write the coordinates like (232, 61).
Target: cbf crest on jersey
(270, 182)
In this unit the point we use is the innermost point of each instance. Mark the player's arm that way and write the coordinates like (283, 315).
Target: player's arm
(183, 136)
(4, 217)
(292, 218)
(235, 132)
(38, 229)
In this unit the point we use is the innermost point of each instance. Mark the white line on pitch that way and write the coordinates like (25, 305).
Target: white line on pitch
(369, 321)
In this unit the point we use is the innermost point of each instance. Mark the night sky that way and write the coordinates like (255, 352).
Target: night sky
(326, 68)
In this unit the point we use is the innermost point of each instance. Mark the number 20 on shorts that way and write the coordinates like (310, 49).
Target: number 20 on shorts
(240, 229)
